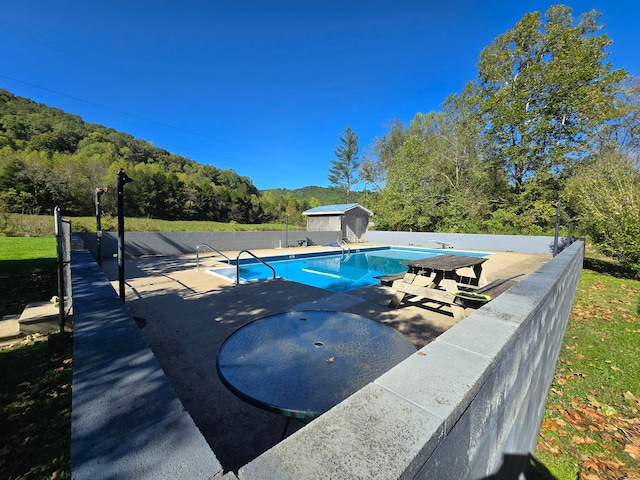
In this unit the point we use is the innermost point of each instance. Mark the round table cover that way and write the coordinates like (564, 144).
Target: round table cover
(302, 363)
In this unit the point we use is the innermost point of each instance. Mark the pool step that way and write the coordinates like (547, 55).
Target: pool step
(40, 317)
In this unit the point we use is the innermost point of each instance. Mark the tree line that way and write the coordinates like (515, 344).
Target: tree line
(546, 120)
(50, 158)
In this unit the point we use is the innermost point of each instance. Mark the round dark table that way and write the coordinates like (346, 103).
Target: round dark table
(300, 364)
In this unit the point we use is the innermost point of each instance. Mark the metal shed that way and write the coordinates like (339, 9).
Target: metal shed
(351, 219)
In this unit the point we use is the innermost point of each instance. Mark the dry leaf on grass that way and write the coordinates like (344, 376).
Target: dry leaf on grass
(576, 440)
(633, 451)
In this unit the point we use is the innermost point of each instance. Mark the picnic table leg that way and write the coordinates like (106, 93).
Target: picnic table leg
(457, 310)
(399, 296)
(396, 300)
(481, 279)
(436, 280)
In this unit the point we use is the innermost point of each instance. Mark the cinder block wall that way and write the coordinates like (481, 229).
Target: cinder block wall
(466, 241)
(126, 420)
(179, 243)
(467, 406)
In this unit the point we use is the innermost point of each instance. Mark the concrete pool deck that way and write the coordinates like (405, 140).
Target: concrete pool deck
(185, 315)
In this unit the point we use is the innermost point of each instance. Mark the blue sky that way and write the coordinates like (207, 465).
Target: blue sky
(263, 87)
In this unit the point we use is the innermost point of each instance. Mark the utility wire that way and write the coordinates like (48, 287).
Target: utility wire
(79, 56)
(56, 46)
(180, 129)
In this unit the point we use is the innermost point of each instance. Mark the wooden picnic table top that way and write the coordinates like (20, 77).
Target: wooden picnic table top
(448, 262)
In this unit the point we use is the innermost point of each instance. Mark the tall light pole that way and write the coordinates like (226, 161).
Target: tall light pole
(555, 238)
(122, 179)
(99, 192)
(286, 231)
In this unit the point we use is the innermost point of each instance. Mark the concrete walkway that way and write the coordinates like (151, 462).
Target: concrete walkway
(186, 314)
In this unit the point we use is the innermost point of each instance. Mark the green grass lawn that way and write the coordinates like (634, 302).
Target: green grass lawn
(35, 412)
(27, 272)
(591, 426)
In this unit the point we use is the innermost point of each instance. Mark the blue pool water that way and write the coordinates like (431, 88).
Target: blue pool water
(334, 271)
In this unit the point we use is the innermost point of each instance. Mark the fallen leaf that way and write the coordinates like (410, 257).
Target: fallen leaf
(329, 360)
(562, 379)
(589, 476)
(591, 464)
(582, 440)
(593, 401)
(421, 354)
(633, 451)
(574, 419)
(630, 396)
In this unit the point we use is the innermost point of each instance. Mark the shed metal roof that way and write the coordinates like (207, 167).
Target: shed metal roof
(339, 209)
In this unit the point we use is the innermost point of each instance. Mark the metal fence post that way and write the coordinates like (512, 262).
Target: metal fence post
(122, 179)
(99, 192)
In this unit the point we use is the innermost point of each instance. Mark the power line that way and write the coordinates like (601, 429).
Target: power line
(133, 115)
(72, 53)
(56, 46)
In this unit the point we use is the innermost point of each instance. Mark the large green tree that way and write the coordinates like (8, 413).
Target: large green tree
(548, 89)
(345, 170)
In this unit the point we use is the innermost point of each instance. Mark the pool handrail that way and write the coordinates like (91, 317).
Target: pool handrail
(254, 256)
(345, 256)
(210, 248)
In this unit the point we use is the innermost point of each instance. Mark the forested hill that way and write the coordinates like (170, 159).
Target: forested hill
(317, 195)
(51, 158)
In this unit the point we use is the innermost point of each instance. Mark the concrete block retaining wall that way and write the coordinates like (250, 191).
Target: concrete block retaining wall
(126, 421)
(179, 243)
(466, 406)
(465, 241)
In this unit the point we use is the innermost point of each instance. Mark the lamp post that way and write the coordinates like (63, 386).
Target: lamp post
(555, 238)
(286, 231)
(98, 193)
(122, 179)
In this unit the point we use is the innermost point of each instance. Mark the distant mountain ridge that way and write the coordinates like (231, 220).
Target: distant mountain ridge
(324, 195)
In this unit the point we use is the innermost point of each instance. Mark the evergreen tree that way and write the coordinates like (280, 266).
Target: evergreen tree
(345, 171)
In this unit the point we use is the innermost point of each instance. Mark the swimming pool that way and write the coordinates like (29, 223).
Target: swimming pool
(338, 272)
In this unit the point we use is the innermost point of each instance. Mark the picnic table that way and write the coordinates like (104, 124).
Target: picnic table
(443, 279)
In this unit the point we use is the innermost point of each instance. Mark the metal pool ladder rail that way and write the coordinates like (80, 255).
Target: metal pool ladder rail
(210, 248)
(254, 256)
(346, 255)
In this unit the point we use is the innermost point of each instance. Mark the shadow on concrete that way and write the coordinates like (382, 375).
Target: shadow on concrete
(185, 329)
(188, 314)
